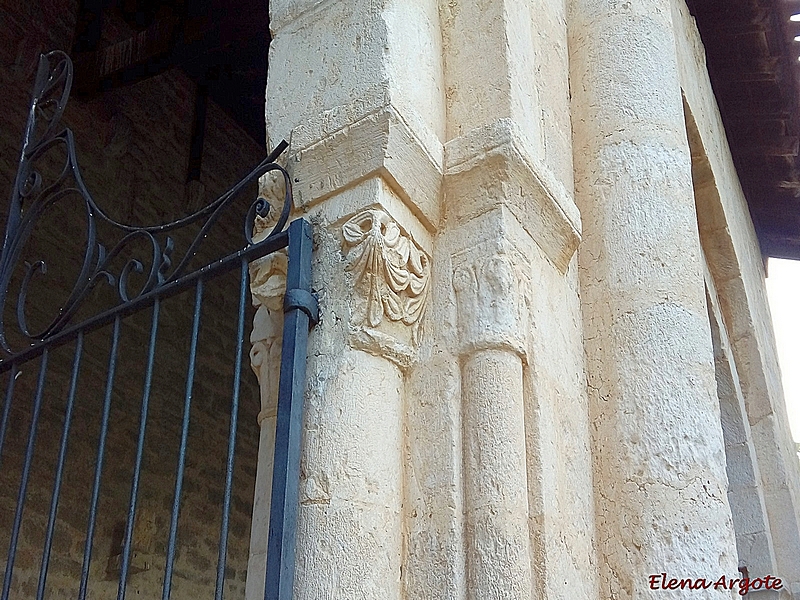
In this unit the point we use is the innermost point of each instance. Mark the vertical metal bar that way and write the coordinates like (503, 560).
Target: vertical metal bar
(137, 467)
(7, 408)
(101, 450)
(286, 469)
(187, 404)
(62, 454)
(23, 484)
(226, 499)
(15, 206)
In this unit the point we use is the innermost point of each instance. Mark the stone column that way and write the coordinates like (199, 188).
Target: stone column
(350, 540)
(364, 118)
(510, 217)
(492, 330)
(267, 287)
(658, 455)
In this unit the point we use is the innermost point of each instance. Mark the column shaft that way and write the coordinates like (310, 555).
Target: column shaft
(350, 524)
(658, 457)
(498, 540)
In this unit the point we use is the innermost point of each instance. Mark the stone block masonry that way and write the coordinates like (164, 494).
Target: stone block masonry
(133, 148)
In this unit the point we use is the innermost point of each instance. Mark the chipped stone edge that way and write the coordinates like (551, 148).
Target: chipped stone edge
(383, 345)
(554, 220)
(381, 143)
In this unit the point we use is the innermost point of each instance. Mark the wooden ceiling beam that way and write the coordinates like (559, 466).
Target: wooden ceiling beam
(760, 69)
(752, 60)
(168, 42)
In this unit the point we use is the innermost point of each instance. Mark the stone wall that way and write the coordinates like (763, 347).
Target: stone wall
(133, 147)
(737, 269)
(574, 393)
(446, 452)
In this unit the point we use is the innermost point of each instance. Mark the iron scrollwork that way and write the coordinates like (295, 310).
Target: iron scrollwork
(32, 197)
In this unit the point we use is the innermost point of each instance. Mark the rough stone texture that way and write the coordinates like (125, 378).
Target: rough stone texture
(745, 490)
(492, 312)
(369, 130)
(658, 453)
(736, 265)
(508, 183)
(452, 446)
(498, 541)
(369, 139)
(359, 98)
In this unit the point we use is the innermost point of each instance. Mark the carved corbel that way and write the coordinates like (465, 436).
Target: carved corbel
(391, 278)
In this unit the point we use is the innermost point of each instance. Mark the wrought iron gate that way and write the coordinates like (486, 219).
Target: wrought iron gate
(161, 275)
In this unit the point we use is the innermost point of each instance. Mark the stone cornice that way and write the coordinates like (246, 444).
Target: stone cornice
(491, 166)
(380, 143)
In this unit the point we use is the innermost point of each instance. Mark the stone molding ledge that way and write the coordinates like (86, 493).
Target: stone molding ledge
(493, 165)
(380, 143)
(377, 343)
(289, 11)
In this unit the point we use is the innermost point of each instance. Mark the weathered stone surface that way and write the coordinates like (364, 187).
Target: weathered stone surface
(658, 452)
(526, 383)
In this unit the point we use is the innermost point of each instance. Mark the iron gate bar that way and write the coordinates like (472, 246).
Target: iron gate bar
(226, 496)
(101, 452)
(62, 455)
(301, 313)
(187, 406)
(137, 465)
(12, 378)
(220, 267)
(26, 470)
(51, 92)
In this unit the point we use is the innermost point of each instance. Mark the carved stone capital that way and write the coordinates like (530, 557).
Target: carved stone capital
(492, 295)
(270, 188)
(391, 278)
(267, 286)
